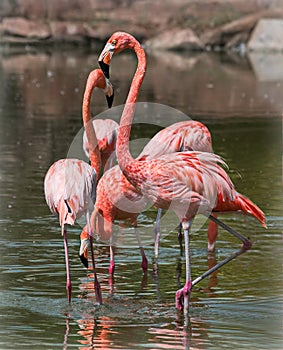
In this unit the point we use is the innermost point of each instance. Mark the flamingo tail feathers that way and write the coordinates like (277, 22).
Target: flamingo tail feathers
(247, 206)
(244, 204)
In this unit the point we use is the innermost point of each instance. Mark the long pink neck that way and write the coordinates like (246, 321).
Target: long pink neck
(122, 148)
(94, 154)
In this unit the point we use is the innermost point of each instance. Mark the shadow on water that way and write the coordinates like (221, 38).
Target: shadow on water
(240, 100)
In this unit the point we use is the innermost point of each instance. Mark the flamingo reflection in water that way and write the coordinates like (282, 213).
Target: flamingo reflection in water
(100, 330)
(97, 333)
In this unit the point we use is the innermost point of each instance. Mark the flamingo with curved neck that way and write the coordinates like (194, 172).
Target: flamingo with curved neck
(125, 41)
(70, 184)
(99, 139)
(97, 79)
(187, 182)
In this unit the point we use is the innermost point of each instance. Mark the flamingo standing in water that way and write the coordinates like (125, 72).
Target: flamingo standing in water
(117, 199)
(70, 184)
(187, 135)
(187, 182)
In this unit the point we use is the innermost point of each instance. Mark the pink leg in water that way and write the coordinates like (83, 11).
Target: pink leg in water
(97, 287)
(68, 283)
(144, 263)
(112, 259)
(212, 233)
(183, 294)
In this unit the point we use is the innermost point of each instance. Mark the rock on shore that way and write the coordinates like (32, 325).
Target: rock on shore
(160, 24)
(267, 36)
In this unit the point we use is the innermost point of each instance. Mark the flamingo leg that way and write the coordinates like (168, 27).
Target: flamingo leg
(112, 258)
(212, 233)
(246, 246)
(97, 287)
(144, 263)
(180, 238)
(183, 294)
(68, 283)
(157, 232)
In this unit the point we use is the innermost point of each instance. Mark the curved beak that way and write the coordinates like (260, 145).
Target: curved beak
(110, 100)
(105, 58)
(83, 251)
(105, 68)
(109, 94)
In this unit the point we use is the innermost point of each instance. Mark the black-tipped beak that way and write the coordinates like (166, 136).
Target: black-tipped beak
(84, 260)
(110, 100)
(105, 68)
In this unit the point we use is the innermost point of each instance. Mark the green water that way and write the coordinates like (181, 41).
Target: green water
(239, 307)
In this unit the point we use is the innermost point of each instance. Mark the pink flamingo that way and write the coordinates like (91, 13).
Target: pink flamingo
(117, 199)
(187, 182)
(70, 184)
(194, 136)
(187, 135)
(101, 132)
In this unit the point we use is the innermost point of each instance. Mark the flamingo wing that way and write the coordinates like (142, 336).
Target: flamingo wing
(181, 136)
(178, 176)
(69, 189)
(106, 131)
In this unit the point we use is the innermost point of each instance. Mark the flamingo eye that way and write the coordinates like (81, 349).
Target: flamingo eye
(114, 42)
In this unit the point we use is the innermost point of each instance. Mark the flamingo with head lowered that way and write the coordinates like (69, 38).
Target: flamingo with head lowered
(187, 182)
(117, 199)
(70, 184)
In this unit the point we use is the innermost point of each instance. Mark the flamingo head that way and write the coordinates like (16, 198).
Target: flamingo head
(84, 248)
(97, 78)
(118, 42)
